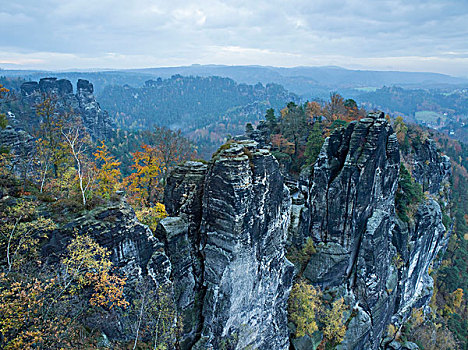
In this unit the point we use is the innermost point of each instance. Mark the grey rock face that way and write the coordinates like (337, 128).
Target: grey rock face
(135, 252)
(94, 118)
(20, 144)
(83, 102)
(422, 244)
(429, 167)
(181, 234)
(364, 253)
(351, 205)
(132, 244)
(243, 276)
(226, 234)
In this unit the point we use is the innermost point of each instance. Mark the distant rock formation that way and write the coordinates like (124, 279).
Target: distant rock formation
(83, 103)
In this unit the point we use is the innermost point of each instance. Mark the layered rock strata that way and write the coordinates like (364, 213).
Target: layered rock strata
(364, 252)
(83, 103)
(237, 235)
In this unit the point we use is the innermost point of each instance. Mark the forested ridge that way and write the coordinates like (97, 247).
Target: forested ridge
(205, 109)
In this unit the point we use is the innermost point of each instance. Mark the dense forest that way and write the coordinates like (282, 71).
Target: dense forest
(205, 109)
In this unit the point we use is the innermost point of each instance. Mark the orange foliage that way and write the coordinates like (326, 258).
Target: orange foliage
(283, 145)
(143, 184)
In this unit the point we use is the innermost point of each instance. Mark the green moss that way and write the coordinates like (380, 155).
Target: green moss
(224, 147)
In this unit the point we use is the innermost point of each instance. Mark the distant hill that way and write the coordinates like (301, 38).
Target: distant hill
(309, 82)
(205, 109)
(313, 81)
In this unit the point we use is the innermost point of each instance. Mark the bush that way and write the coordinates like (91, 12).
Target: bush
(408, 196)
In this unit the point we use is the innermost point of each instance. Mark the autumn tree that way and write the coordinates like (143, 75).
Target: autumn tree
(303, 305)
(108, 171)
(77, 141)
(143, 184)
(335, 107)
(151, 216)
(334, 328)
(87, 264)
(20, 232)
(282, 144)
(26, 320)
(352, 110)
(313, 111)
(172, 149)
(50, 146)
(45, 310)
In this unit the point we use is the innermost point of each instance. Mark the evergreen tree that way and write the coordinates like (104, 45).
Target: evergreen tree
(314, 144)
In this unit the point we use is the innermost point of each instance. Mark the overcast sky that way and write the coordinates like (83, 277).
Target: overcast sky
(410, 35)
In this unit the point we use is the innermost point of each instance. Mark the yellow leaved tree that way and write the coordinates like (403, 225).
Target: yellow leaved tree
(108, 172)
(87, 264)
(303, 305)
(143, 184)
(152, 215)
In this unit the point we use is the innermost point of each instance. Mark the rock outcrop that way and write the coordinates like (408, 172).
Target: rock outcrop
(364, 252)
(429, 168)
(229, 219)
(83, 103)
(135, 252)
(350, 217)
(237, 233)
(20, 145)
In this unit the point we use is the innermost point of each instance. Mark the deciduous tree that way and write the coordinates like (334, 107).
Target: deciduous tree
(77, 141)
(108, 171)
(303, 305)
(143, 184)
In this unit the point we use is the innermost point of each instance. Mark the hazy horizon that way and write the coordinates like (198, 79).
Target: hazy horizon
(416, 36)
(106, 69)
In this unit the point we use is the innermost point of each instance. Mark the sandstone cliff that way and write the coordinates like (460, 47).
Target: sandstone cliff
(82, 103)
(222, 248)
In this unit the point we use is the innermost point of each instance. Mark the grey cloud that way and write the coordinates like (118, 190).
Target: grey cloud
(266, 32)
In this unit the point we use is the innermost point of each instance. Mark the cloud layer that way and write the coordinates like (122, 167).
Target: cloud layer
(417, 35)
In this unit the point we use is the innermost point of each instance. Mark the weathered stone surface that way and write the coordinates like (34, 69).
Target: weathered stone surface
(351, 206)
(361, 245)
(429, 168)
(245, 220)
(181, 234)
(132, 244)
(135, 252)
(243, 276)
(20, 144)
(423, 244)
(82, 103)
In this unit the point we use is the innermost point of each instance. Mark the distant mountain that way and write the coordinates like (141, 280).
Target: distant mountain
(309, 82)
(303, 80)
